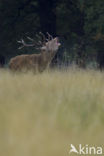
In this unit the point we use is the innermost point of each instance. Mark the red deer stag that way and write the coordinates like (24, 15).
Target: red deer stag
(36, 62)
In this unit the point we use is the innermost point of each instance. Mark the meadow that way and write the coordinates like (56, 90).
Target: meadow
(42, 114)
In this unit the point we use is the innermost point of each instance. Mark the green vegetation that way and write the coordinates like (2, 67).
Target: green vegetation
(79, 25)
(43, 114)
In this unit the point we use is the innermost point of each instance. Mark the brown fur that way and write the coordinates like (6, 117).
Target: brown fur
(35, 62)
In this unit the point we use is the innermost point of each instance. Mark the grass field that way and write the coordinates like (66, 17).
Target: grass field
(42, 114)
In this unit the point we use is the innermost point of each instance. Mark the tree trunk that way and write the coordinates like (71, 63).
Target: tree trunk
(81, 53)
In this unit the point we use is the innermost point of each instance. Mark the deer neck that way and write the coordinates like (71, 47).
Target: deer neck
(48, 56)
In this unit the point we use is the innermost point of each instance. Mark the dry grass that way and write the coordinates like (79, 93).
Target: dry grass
(41, 115)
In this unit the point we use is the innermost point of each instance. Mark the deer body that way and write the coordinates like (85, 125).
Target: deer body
(36, 62)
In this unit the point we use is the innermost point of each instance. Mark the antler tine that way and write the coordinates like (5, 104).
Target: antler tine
(25, 44)
(19, 41)
(21, 47)
(30, 38)
(49, 36)
(39, 40)
(43, 36)
(37, 36)
(39, 43)
(22, 42)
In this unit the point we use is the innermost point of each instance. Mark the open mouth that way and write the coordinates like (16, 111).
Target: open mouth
(57, 41)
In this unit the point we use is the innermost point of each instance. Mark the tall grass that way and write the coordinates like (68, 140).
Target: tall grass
(42, 114)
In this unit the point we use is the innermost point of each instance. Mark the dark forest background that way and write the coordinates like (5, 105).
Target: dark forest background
(78, 23)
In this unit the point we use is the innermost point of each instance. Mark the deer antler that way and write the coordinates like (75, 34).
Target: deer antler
(25, 44)
(31, 39)
(39, 43)
(42, 41)
(49, 36)
(43, 38)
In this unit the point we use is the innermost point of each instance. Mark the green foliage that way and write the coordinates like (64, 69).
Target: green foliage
(94, 22)
(73, 21)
